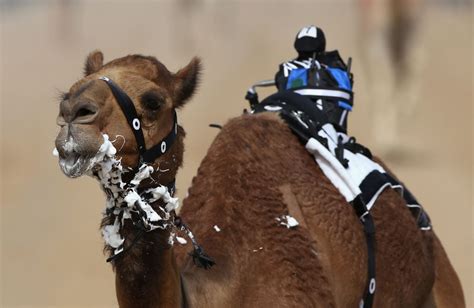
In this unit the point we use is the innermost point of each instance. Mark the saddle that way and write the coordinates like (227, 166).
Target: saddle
(347, 164)
(325, 79)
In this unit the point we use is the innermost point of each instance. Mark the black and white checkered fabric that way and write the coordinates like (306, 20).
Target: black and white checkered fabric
(353, 172)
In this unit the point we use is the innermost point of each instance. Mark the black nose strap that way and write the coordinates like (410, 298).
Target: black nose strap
(128, 109)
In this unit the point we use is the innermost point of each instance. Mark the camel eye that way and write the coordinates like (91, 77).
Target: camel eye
(152, 100)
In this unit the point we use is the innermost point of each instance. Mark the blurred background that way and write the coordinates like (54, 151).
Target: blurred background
(412, 61)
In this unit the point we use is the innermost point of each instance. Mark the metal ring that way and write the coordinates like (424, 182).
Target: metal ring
(136, 124)
(372, 286)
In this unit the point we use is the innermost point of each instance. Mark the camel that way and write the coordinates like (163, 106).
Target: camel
(254, 173)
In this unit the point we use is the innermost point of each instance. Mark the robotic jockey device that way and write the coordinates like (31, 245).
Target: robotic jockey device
(317, 74)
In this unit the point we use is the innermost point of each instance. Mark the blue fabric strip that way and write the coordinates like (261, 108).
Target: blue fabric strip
(341, 77)
(345, 105)
(298, 78)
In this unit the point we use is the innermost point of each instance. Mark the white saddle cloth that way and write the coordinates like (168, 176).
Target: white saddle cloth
(347, 180)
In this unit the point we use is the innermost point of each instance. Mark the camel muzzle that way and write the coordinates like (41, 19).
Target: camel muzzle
(74, 165)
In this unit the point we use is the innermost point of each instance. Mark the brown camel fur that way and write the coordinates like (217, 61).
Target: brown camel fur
(255, 171)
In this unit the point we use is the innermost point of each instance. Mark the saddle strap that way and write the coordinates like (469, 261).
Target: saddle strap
(369, 231)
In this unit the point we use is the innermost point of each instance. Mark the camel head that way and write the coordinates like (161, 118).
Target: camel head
(90, 110)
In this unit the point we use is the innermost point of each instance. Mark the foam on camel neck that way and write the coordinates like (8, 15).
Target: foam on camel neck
(123, 199)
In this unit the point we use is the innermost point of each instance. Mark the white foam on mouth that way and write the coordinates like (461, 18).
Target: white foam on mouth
(70, 145)
(124, 199)
(73, 164)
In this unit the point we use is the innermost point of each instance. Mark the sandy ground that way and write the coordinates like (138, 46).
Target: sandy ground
(51, 246)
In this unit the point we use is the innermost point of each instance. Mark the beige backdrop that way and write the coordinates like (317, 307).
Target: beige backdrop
(51, 246)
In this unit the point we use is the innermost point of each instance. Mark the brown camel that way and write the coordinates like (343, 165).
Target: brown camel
(255, 171)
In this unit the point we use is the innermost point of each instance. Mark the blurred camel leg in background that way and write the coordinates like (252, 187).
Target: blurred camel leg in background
(406, 53)
(184, 32)
(65, 21)
(390, 52)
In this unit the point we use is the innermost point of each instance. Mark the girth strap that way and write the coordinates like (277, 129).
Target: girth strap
(367, 221)
(128, 108)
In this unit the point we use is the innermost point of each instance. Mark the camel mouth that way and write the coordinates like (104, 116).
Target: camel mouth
(74, 165)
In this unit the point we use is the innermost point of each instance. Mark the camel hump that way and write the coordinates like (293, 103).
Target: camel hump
(256, 130)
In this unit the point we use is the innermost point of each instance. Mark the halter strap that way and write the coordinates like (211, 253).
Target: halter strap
(128, 109)
(148, 156)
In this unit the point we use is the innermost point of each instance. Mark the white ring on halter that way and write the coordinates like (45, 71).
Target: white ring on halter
(163, 147)
(136, 124)
(372, 286)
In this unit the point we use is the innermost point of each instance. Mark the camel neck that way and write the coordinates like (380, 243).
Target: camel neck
(146, 272)
(147, 275)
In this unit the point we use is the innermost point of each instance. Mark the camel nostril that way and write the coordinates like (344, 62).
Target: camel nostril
(85, 114)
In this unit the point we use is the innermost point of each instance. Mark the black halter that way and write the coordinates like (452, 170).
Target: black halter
(126, 104)
(148, 156)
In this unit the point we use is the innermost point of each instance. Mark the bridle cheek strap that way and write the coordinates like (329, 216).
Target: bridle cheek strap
(128, 109)
(161, 147)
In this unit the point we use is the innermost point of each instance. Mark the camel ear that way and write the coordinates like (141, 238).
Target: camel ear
(186, 81)
(94, 62)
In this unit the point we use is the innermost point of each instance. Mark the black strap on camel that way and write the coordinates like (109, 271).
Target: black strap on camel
(128, 109)
(305, 121)
(369, 229)
(149, 156)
